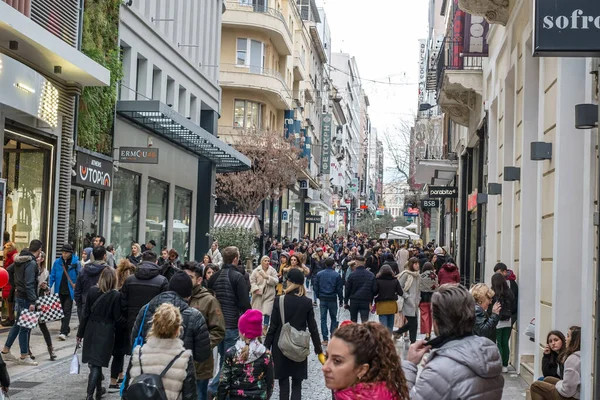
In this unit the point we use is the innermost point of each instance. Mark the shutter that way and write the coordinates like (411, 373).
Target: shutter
(59, 17)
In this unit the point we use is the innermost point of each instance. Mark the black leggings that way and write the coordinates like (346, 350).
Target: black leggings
(284, 389)
(411, 327)
(45, 332)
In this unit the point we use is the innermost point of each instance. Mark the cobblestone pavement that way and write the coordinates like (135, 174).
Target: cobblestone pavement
(51, 380)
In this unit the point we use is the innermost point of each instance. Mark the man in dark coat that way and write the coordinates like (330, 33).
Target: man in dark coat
(138, 289)
(88, 277)
(328, 286)
(232, 292)
(374, 260)
(361, 287)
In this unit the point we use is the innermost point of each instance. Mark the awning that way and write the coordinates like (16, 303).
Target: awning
(435, 172)
(238, 220)
(162, 120)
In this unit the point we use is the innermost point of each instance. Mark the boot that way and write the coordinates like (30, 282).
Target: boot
(100, 391)
(51, 353)
(93, 379)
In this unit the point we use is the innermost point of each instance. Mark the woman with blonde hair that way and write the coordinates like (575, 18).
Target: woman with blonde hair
(485, 325)
(263, 281)
(164, 348)
(136, 254)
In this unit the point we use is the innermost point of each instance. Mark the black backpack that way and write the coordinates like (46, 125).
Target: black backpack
(149, 386)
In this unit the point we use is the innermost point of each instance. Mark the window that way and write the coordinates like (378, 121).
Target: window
(247, 114)
(182, 216)
(156, 212)
(250, 53)
(242, 51)
(125, 211)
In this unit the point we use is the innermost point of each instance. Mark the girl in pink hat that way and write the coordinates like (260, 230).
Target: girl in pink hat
(248, 368)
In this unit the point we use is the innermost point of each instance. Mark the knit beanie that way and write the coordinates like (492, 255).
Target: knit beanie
(296, 276)
(250, 324)
(181, 283)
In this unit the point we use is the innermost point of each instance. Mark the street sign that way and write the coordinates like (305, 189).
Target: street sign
(303, 183)
(285, 215)
(443, 192)
(312, 219)
(138, 155)
(326, 144)
(408, 214)
(430, 203)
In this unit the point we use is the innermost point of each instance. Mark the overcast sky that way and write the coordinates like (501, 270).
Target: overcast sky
(383, 36)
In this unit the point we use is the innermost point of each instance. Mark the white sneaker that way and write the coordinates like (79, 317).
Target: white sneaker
(504, 370)
(62, 337)
(8, 357)
(27, 361)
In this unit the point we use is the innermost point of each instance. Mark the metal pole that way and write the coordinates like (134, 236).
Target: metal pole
(597, 224)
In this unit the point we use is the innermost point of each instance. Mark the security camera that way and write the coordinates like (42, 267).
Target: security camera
(116, 166)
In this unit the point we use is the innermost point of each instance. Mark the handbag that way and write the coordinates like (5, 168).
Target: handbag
(530, 330)
(75, 365)
(50, 308)
(293, 343)
(29, 319)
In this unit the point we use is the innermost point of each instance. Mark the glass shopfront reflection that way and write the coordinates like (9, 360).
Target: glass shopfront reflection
(182, 216)
(125, 211)
(156, 212)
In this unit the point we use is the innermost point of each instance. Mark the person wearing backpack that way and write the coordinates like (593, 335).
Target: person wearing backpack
(102, 311)
(162, 369)
(298, 315)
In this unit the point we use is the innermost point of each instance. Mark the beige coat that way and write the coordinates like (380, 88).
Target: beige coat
(265, 283)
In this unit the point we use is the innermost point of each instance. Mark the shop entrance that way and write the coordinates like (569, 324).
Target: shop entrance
(85, 216)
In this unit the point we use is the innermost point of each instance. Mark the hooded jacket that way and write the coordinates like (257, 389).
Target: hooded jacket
(449, 274)
(203, 301)
(88, 277)
(138, 289)
(25, 276)
(366, 391)
(57, 273)
(571, 383)
(9, 258)
(466, 368)
(249, 379)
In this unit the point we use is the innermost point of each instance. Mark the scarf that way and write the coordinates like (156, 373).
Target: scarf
(409, 279)
(257, 349)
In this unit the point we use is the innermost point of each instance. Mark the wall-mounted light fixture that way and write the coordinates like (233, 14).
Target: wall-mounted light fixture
(586, 116)
(541, 151)
(512, 174)
(13, 45)
(494, 189)
(482, 198)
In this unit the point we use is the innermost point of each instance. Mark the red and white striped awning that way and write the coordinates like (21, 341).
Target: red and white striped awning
(238, 220)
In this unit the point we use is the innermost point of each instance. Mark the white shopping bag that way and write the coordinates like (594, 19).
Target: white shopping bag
(75, 366)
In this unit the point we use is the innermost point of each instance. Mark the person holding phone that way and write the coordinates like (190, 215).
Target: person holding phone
(485, 324)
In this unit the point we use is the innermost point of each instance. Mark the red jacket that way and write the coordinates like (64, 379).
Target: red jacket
(448, 274)
(366, 391)
(9, 258)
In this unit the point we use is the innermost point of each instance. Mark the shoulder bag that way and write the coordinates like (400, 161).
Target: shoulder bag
(293, 343)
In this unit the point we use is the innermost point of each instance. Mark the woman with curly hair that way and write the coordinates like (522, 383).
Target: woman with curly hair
(362, 363)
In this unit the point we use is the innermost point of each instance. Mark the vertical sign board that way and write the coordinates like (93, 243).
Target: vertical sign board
(326, 144)
(422, 69)
(567, 28)
(2, 203)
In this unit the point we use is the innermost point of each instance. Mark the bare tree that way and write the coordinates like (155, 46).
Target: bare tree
(276, 164)
(399, 147)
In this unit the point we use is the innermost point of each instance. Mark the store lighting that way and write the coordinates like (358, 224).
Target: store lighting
(48, 108)
(586, 116)
(24, 87)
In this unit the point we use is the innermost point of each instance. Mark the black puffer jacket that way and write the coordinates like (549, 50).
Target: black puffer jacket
(138, 289)
(195, 331)
(88, 277)
(25, 276)
(231, 291)
(360, 286)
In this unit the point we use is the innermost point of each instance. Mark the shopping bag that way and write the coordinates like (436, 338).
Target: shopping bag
(530, 330)
(29, 319)
(50, 308)
(75, 366)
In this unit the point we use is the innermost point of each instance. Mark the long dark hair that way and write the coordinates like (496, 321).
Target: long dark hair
(499, 285)
(386, 270)
(559, 335)
(573, 345)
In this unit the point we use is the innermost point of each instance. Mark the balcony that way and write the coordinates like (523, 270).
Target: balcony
(459, 82)
(263, 81)
(494, 11)
(243, 14)
(299, 68)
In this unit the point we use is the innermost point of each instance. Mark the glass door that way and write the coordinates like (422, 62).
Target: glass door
(84, 217)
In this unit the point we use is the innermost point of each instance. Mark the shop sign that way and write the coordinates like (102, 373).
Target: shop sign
(566, 28)
(312, 219)
(326, 144)
(285, 216)
(138, 155)
(472, 201)
(93, 172)
(430, 203)
(422, 69)
(443, 192)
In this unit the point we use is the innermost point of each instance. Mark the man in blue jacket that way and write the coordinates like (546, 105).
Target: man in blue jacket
(360, 290)
(328, 285)
(63, 277)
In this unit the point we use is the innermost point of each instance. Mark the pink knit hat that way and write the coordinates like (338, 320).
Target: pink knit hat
(250, 324)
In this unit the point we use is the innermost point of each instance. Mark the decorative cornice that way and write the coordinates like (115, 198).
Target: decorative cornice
(494, 11)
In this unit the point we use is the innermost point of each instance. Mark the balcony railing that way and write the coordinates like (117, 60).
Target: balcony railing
(253, 6)
(451, 57)
(254, 69)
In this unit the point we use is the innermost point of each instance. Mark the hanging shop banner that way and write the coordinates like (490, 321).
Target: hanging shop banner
(443, 192)
(472, 201)
(475, 42)
(93, 172)
(138, 155)
(430, 203)
(326, 144)
(422, 69)
(567, 28)
(312, 219)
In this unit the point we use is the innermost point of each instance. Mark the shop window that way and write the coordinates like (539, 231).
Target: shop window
(125, 211)
(247, 114)
(156, 212)
(182, 216)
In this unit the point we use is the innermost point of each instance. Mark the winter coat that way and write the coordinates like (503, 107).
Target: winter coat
(485, 325)
(412, 294)
(366, 391)
(195, 332)
(428, 284)
(448, 274)
(203, 301)
(299, 312)
(135, 260)
(4, 377)
(97, 327)
(245, 274)
(215, 257)
(402, 258)
(88, 277)
(317, 264)
(511, 279)
(393, 265)
(466, 368)
(360, 286)
(141, 287)
(231, 291)
(9, 258)
(25, 276)
(570, 385)
(57, 273)
(179, 381)
(551, 366)
(169, 268)
(328, 285)
(388, 288)
(263, 301)
(249, 379)
(373, 263)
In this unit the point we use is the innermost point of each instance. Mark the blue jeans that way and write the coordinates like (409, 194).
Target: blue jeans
(202, 388)
(332, 308)
(266, 319)
(231, 336)
(387, 320)
(22, 333)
